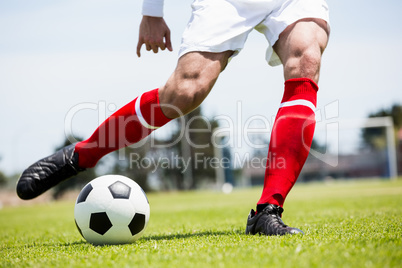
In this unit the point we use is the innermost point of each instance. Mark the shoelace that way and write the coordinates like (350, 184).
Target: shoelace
(275, 212)
(278, 220)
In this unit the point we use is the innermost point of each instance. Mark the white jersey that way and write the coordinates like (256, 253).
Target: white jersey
(221, 25)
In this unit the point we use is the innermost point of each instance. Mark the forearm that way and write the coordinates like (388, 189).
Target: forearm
(153, 8)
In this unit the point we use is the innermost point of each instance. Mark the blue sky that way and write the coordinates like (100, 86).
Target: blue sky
(58, 55)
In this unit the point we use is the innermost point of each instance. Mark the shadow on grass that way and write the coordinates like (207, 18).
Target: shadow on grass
(192, 235)
(76, 243)
(47, 244)
(145, 238)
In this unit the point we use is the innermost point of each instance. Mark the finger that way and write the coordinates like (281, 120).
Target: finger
(155, 48)
(162, 45)
(155, 45)
(148, 46)
(139, 45)
(168, 42)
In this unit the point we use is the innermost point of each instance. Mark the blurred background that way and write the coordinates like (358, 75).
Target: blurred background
(65, 66)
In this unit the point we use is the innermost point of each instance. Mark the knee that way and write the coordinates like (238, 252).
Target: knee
(189, 94)
(304, 62)
(184, 93)
(301, 47)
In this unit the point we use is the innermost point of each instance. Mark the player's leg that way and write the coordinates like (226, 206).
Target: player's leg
(299, 47)
(190, 83)
(188, 86)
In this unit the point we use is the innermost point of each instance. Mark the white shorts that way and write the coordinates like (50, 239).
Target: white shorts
(220, 25)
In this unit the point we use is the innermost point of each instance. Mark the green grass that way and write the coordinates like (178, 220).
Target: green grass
(347, 224)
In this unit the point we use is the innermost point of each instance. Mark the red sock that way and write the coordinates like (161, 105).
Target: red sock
(128, 125)
(291, 139)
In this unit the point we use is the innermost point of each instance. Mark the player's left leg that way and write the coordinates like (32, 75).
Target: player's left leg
(300, 48)
(190, 83)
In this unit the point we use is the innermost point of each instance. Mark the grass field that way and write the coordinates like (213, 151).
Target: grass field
(347, 224)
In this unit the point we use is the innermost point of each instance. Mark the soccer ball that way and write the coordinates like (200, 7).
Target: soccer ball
(111, 209)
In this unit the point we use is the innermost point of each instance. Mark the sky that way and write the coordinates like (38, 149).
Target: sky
(67, 65)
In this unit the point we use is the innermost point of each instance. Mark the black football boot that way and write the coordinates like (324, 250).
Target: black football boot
(48, 172)
(267, 221)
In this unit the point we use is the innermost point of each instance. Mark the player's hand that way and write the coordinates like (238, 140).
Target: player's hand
(155, 34)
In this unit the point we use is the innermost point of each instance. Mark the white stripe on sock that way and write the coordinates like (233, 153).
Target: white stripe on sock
(298, 102)
(139, 114)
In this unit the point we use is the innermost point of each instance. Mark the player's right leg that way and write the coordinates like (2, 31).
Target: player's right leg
(300, 48)
(187, 87)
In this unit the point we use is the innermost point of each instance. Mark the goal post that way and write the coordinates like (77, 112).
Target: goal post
(375, 122)
(331, 129)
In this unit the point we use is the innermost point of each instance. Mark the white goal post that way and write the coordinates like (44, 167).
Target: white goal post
(337, 124)
(374, 122)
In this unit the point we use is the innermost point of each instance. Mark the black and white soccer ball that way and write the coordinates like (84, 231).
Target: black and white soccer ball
(111, 209)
